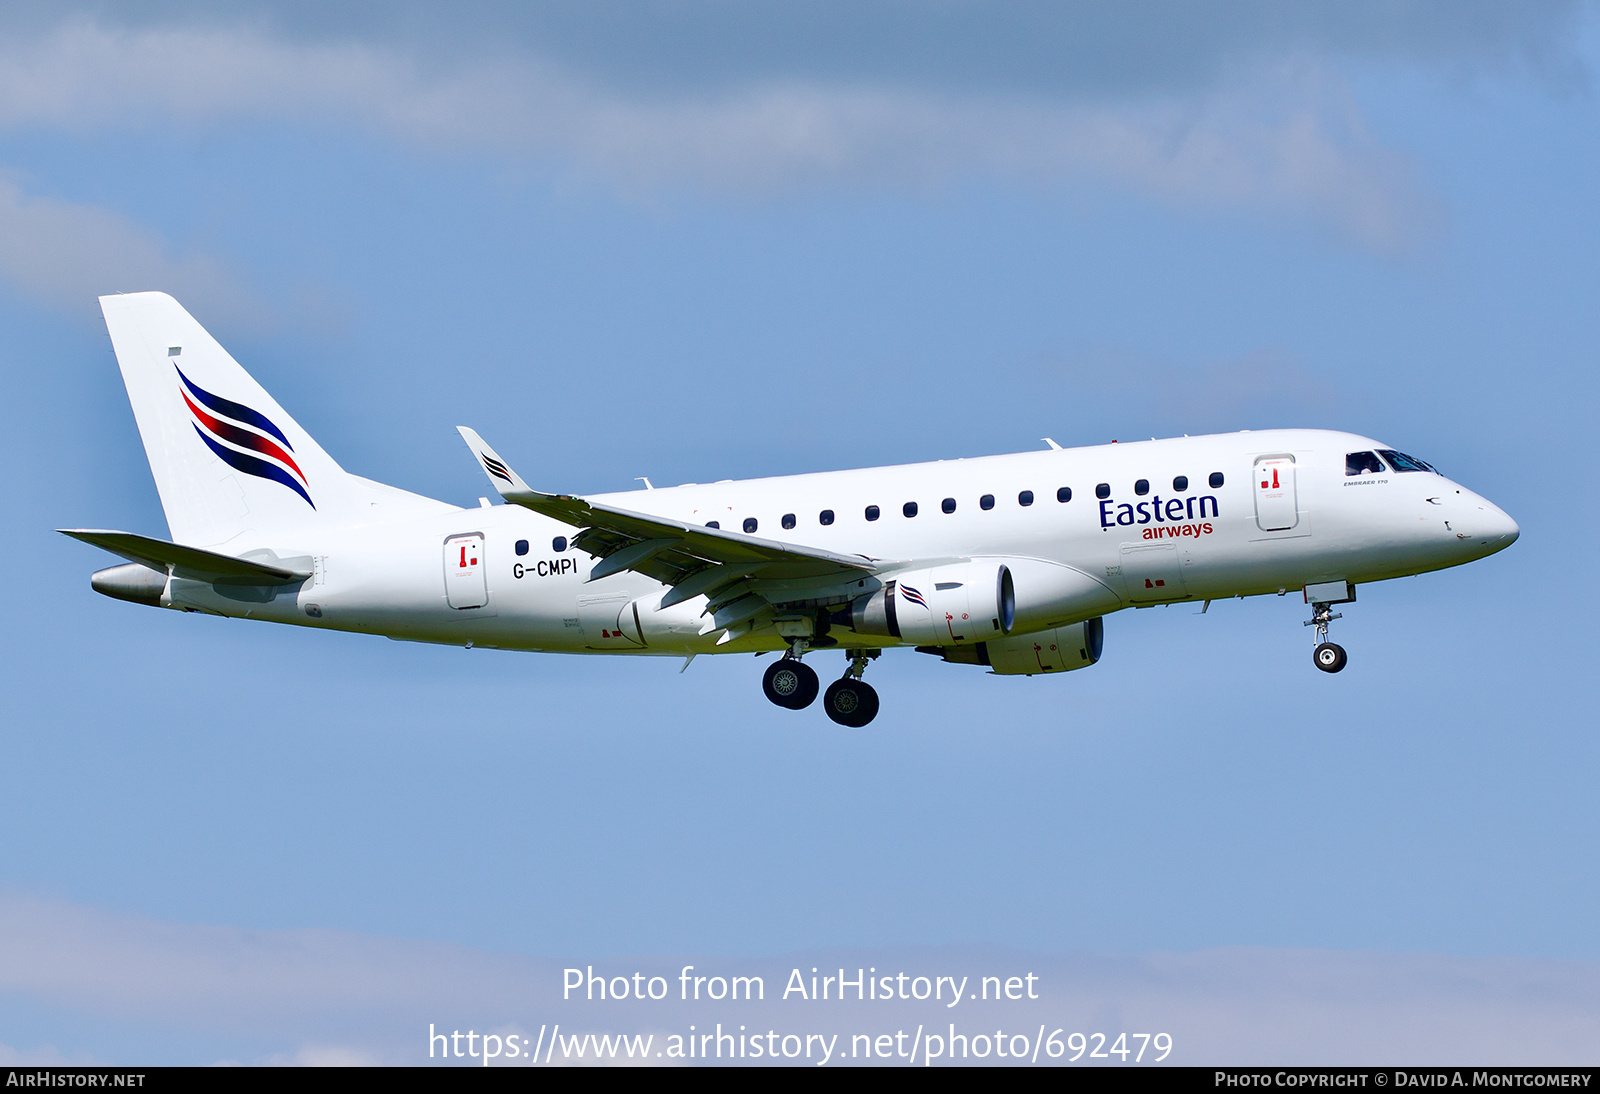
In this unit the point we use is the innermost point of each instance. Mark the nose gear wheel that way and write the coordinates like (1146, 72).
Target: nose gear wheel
(1327, 656)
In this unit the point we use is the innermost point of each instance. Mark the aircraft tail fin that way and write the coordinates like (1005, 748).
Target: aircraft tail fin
(227, 459)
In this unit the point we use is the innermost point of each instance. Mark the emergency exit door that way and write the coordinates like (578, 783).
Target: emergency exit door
(465, 583)
(1277, 507)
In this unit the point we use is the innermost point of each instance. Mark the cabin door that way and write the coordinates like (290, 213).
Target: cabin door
(465, 584)
(1277, 507)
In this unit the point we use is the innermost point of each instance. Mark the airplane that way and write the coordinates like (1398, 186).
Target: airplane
(1008, 562)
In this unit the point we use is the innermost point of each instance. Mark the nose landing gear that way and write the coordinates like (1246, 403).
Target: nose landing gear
(850, 700)
(1327, 656)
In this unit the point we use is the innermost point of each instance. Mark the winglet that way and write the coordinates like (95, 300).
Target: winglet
(505, 480)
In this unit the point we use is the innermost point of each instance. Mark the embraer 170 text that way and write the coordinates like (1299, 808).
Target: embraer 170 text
(1005, 561)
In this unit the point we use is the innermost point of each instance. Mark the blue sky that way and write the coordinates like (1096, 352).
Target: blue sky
(700, 241)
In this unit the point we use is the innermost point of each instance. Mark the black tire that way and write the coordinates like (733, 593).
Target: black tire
(1329, 657)
(790, 684)
(851, 703)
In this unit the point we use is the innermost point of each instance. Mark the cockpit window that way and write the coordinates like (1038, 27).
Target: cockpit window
(1362, 463)
(1402, 462)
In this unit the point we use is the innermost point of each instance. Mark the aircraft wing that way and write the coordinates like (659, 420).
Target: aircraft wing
(692, 558)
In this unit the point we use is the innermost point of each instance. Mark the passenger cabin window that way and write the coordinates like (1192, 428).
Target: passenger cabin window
(1402, 462)
(522, 546)
(948, 505)
(1180, 484)
(1103, 491)
(788, 520)
(713, 524)
(1216, 480)
(1063, 494)
(825, 517)
(1025, 498)
(1142, 487)
(1362, 463)
(986, 502)
(872, 512)
(558, 544)
(750, 526)
(909, 508)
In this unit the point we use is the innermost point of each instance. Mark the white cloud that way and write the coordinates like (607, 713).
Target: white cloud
(323, 997)
(1287, 140)
(221, 976)
(67, 254)
(40, 1056)
(325, 1056)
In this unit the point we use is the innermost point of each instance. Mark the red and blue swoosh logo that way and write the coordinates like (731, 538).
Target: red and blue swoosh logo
(912, 595)
(244, 439)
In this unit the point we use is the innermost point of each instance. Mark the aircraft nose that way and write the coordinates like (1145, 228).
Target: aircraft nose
(1496, 530)
(1502, 526)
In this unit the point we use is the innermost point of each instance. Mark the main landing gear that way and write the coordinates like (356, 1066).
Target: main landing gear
(1327, 656)
(789, 683)
(849, 700)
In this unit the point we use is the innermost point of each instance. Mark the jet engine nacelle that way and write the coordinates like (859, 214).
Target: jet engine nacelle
(980, 600)
(1060, 649)
(1050, 595)
(953, 605)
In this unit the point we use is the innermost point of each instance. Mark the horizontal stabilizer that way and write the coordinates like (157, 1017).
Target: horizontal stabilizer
(189, 562)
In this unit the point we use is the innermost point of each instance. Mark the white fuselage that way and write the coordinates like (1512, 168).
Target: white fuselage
(1317, 524)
